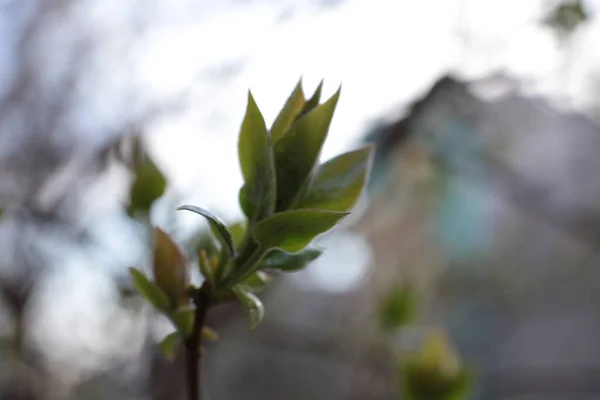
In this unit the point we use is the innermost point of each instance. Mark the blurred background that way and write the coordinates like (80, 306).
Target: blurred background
(484, 197)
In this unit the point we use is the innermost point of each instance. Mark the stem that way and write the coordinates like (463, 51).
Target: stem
(245, 269)
(192, 346)
(247, 249)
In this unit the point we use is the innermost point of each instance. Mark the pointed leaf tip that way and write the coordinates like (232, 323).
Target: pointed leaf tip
(219, 226)
(253, 305)
(313, 101)
(149, 290)
(338, 183)
(297, 152)
(255, 154)
(288, 114)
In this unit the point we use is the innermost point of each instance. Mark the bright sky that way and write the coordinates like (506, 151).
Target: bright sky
(384, 52)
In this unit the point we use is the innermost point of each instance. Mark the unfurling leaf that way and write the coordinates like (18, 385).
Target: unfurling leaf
(257, 196)
(292, 231)
(148, 185)
(280, 260)
(170, 269)
(150, 291)
(339, 182)
(292, 108)
(218, 226)
(170, 345)
(297, 152)
(253, 305)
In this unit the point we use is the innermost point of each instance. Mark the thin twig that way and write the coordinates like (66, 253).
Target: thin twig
(193, 343)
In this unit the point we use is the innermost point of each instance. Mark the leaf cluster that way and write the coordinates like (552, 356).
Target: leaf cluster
(288, 199)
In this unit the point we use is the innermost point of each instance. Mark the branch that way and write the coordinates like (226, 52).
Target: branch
(193, 343)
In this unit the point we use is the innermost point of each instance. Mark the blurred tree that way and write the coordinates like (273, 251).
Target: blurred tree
(566, 16)
(60, 134)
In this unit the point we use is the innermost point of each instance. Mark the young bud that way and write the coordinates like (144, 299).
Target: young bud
(170, 269)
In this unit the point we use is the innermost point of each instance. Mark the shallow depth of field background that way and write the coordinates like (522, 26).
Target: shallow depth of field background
(484, 194)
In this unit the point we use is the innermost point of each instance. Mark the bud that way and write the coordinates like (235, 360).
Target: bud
(170, 269)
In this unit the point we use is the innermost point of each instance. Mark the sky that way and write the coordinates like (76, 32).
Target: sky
(356, 46)
(382, 52)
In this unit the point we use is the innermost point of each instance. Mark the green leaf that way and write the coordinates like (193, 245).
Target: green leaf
(280, 260)
(293, 106)
(218, 226)
(246, 265)
(253, 305)
(313, 101)
(257, 281)
(149, 184)
(398, 308)
(238, 231)
(257, 196)
(170, 268)
(150, 291)
(170, 345)
(339, 182)
(183, 319)
(297, 152)
(292, 231)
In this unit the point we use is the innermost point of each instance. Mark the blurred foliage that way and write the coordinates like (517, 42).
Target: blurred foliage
(398, 308)
(149, 183)
(434, 373)
(567, 16)
(431, 372)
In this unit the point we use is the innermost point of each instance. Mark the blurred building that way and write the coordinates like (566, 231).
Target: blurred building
(486, 201)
